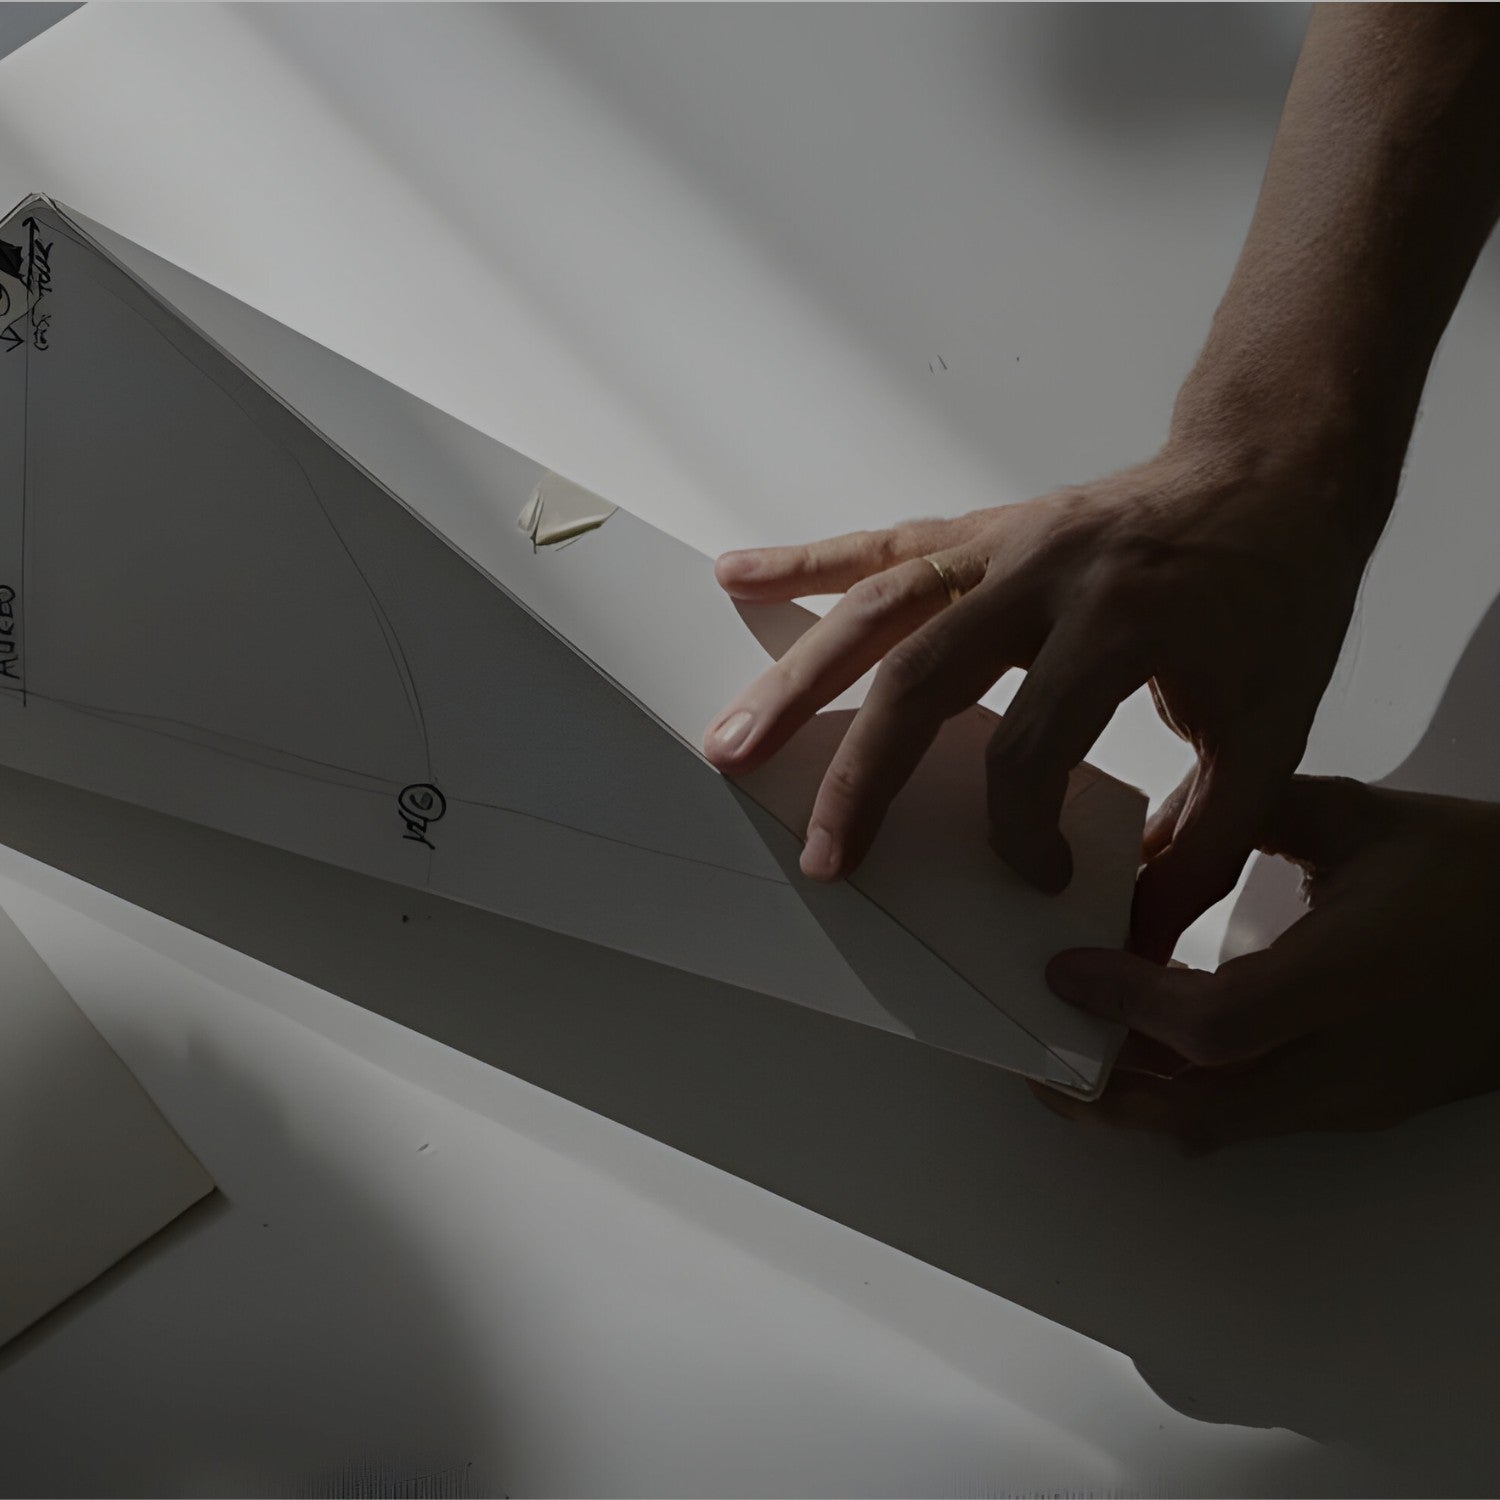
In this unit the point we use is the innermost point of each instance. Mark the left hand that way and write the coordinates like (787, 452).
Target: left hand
(1381, 1002)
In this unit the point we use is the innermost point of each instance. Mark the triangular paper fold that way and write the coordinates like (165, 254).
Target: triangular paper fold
(248, 583)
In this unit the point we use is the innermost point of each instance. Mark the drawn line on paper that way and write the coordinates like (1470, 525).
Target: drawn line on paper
(610, 838)
(348, 779)
(268, 757)
(387, 629)
(382, 788)
(25, 502)
(394, 645)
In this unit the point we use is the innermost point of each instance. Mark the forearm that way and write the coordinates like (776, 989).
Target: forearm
(1382, 186)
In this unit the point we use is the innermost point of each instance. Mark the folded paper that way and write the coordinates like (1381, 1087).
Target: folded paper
(253, 585)
(560, 511)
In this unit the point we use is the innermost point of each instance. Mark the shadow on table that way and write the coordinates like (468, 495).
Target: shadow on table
(1339, 1286)
(1404, 1338)
(300, 1349)
(1248, 1287)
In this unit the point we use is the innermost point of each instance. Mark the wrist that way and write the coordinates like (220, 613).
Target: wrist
(1327, 451)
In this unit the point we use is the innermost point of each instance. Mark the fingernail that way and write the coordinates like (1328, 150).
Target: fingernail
(740, 565)
(1085, 977)
(729, 735)
(820, 855)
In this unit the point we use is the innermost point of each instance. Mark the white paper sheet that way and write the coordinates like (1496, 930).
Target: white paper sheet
(231, 607)
(89, 1169)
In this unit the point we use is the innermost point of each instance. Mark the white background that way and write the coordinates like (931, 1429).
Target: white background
(711, 262)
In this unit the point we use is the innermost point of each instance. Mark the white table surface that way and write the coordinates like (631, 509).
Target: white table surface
(703, 260)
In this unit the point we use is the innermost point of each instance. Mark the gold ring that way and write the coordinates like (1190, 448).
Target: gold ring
(949, 582)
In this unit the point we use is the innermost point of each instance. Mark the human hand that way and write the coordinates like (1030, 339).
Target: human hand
(1226, 583)
(1376, 1005)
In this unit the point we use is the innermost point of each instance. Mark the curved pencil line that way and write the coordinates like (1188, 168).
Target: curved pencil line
(392, 640)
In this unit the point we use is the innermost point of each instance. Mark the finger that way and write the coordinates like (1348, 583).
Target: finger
(1317, 822)
(831, 566)
(1324, 970)
(1216, 831)
(1162, 824)
(1164, 711)
(1322, 821)
(876, 614)
(936, 672)
(1180, 1008)
(1142, 1054)
(1073, 688)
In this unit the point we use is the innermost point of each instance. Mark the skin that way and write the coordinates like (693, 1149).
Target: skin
(1376, 1005)
(1185, 571)
(1223, 570)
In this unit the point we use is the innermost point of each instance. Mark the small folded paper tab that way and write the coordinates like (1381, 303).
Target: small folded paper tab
(560, 511)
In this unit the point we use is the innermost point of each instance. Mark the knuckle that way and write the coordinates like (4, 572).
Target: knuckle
(791, 678)
(1135, 550)
(1019, 749)
(1124, 625)
(1024, 790)
(1010, 753)
(803, 559)
(812, 557)
(883, 548)
(1117, 595)
(878, 595)
(843, 783)
(908, 672)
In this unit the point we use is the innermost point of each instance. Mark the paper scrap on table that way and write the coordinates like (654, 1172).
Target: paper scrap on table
(89, 1169)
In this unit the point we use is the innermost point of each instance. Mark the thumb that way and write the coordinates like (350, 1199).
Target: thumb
(1175, 1006)
(1231, 1016)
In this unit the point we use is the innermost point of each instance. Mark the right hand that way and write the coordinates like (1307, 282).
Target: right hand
(1226, 584)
